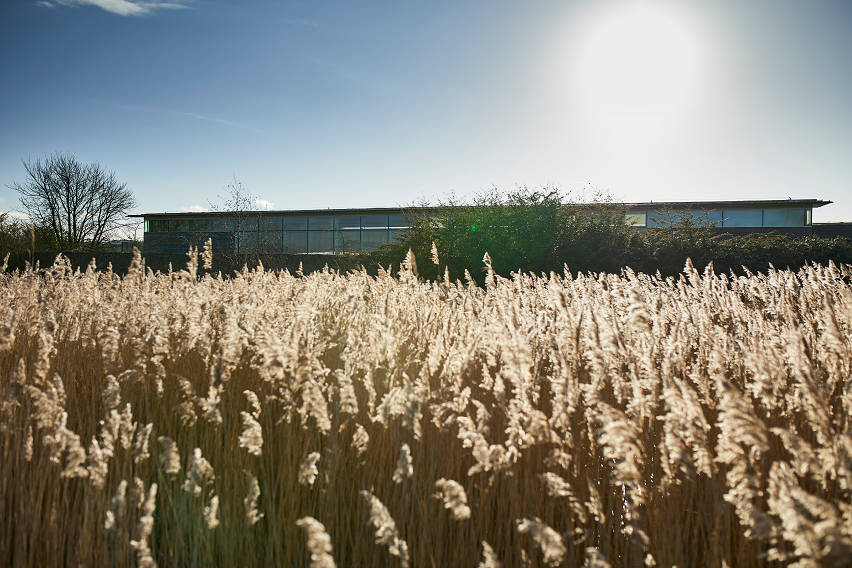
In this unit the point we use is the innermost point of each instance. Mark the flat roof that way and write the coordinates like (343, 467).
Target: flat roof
(638, 205)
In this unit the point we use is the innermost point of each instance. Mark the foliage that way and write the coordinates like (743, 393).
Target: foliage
(593, 238)
(20, 237)
(542, 231)
(80, 204)
(517, 229)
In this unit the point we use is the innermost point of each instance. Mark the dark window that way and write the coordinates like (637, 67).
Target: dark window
(371, 239)
(742, 218)
(375, 221)
(321, 241)
(271, 242)
(347, 240)
(323, 223)
(792, 217)
(295, 242)
(296, 223)
(158, 225)
(397, 221)
(271, 223)
(197, 225)
(247, 242)
(249, 223)
(347, 222)
(222, 224)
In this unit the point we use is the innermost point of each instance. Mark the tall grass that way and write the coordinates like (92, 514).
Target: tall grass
(278, 419)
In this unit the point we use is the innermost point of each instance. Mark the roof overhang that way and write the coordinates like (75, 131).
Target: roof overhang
(704, 205)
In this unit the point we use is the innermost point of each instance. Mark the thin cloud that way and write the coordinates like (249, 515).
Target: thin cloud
(263, 204)
(119, 7)
(193, 209)
(186, 114)
(205, 118)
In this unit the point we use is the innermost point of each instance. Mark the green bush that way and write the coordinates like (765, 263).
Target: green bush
(539, 231)
(516, 229)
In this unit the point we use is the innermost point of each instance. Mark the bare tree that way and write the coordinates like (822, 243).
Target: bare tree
(81, 204)
(242, 206)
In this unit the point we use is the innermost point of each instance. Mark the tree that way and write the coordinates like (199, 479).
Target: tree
(80, 204)
(250, 239)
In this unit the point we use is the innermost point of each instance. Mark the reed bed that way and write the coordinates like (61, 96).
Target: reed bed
(339, 419)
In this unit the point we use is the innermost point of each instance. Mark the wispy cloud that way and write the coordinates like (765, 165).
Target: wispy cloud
(185, 114)
(120, 7)
(263, 204)
(205, 118)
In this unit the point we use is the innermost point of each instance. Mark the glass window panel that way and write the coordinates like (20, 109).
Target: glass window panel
(347, 222)
(669, 217)
(371, 239)
(249, 223)
(635, 219)
(787, 217)
(296, 223)
(196, 225)
(659, 219)
(247, 242)
(158, 225)
(397, 221)
(321, 241)
(808, 218)
(396, 234)
(271, 223)
(323, 222)
(179, 225)
(295, 242)
(742, 218)
(271, 242)
(706, 216)
(378, 221)
(347, 240)
(222, 224)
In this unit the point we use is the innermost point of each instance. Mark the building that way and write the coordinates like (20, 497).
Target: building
(329, 231)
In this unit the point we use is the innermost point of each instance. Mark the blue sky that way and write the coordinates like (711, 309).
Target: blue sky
(332, 104)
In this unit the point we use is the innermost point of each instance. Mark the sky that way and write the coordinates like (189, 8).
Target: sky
(329, 104)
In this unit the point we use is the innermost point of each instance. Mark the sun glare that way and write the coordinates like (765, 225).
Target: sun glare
(637, 72)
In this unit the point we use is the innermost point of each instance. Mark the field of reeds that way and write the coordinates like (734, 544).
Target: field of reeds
(276, 419)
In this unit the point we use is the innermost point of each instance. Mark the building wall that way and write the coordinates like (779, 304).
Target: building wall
(349, 231)
(179, 242)
(274, 234)
(733, 217)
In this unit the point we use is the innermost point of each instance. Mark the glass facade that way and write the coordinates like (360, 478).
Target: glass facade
(783, 217)
(636, 219)
(347, 240)
(292, 234)
(767, 217)
(373, 238)
(295, 223)
(743, 218)
(669, 217)
(295, 242)
(320, 241)
(323, 234)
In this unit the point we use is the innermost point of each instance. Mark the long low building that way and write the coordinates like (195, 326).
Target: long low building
(330, 231)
